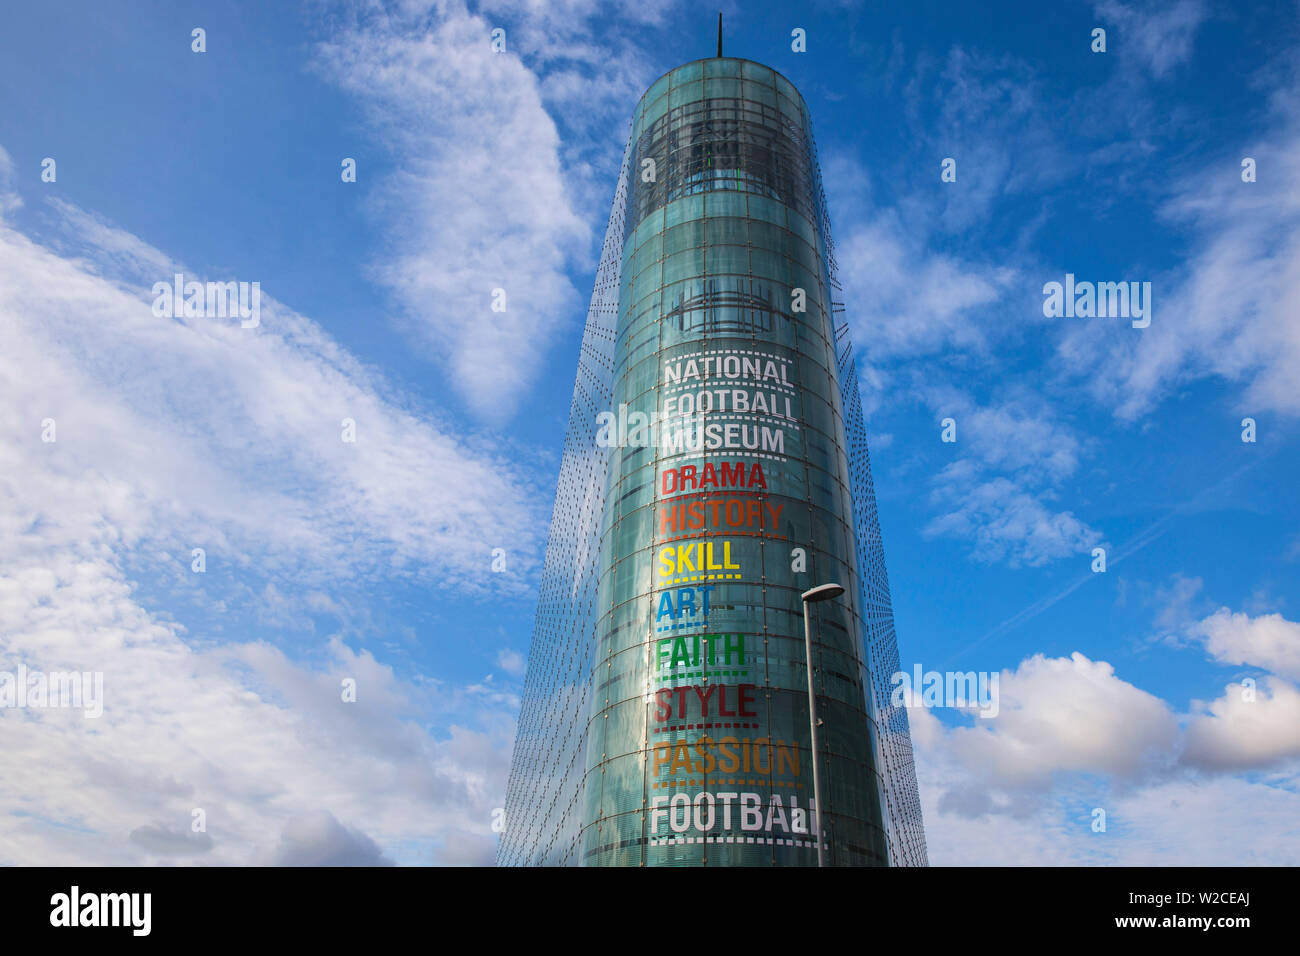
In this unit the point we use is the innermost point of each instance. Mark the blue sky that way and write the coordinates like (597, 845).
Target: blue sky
(371, 560)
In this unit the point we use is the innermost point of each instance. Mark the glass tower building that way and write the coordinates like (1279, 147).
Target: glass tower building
(715, 468)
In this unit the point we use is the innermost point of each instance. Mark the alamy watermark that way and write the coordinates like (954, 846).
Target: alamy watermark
(31, 689)
(678, 431)
(130, 910)
(214, 300)
(1102, 300)
(958, 689)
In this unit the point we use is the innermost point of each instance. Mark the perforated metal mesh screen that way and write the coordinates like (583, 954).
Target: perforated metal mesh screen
(544, 791)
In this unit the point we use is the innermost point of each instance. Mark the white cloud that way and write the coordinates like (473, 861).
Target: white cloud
(163, 840)
(196, 432)
(477, 199)
(1172, 823)
(905, 303)
(1003, 522)
(237, 731)
(1071, 715)
(1072, 738)
(998, 493)
(988, 113)
(1159, 39)
(1017, 436)
(902, 299)
(177, 432)
(512, 662)
(466, 849)
(593, 62)
(9, 200)
(909, 296)
(1269, 641)
(1245, 729)
(1232, 310)
(1176, 601)
(317, 839)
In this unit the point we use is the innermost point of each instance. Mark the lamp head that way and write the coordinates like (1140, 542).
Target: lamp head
(823, 592)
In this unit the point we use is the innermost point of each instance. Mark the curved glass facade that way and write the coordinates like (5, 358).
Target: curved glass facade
(725, 477)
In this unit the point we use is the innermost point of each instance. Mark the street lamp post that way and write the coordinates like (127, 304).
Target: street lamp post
(822, 592)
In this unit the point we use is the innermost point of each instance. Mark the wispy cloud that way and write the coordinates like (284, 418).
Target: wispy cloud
(1159, 38)
(198, 431)
(903, 297)
(1009, 462)
(475, 198)
(174, 433)
(1232, 309)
